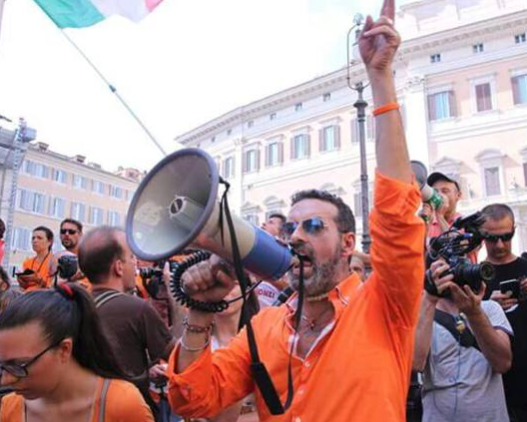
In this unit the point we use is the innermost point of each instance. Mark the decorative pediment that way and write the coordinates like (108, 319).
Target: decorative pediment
(250, 208)
(333, 189)
(447, 165)
(274, 202)
(490, 154)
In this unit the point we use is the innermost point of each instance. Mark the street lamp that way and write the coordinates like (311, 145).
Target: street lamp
(361, 105)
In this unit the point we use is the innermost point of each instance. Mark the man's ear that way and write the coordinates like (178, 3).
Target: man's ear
(348, 243)
(118, 268)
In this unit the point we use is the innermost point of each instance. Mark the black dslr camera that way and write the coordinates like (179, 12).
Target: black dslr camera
(453, 246)
(67, 266)
(153, 277)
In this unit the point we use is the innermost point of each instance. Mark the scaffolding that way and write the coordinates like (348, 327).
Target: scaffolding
(13, 147)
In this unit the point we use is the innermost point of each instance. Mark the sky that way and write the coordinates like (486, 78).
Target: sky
(185, 64)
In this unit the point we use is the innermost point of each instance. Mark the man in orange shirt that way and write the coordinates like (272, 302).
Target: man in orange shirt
(353, 350)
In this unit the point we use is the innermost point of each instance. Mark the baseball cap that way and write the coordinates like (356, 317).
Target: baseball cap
(436, 176)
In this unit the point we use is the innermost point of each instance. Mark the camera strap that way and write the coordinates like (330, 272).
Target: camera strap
(261, 375)
(465, 337)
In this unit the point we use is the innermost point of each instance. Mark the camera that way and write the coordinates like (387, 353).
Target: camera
(153, 277)
(453, 246)
(67, 266)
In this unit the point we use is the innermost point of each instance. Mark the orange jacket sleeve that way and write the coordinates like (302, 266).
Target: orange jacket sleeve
(397, 249)
(213, 381)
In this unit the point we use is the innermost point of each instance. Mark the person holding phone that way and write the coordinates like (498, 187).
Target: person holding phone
(38, 271)
(508, 288)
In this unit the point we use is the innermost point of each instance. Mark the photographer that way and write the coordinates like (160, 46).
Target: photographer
(70, 237)
(508, 287)
(462, 344)
(350, 348)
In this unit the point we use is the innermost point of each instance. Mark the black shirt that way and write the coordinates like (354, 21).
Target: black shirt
(516, 379)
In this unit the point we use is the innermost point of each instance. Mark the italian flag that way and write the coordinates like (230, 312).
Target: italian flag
(83, 13)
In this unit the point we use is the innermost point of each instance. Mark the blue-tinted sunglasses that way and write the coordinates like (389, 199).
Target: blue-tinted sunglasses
(311, 226)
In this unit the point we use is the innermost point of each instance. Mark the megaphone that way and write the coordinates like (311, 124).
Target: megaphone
(176, 207)
(428, 194)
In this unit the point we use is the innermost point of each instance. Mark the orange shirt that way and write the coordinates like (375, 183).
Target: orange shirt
(358, 371)
(124, 403)
(43, 270)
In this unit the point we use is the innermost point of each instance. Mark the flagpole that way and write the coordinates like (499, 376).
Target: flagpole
(113, 89)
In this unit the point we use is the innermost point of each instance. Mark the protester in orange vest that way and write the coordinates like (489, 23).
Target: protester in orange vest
(39, 270)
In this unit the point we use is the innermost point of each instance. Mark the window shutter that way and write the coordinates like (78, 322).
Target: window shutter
(370, 128)
(268, 155)
(244, 162)
(307, 140)
(354, 132)
(280, 152)
(257, 166)
(321, 140)
(336, 134)
(432, 112)
(516, 90)
(525, 173)
(293, 149)
(452, 103)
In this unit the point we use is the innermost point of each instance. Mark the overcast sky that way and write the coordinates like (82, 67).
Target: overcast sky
(186, 63)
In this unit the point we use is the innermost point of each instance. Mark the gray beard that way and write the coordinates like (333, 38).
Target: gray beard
(322, 280)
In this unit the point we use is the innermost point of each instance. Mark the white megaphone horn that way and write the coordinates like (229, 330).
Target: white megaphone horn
(428, 194)
(176, 206)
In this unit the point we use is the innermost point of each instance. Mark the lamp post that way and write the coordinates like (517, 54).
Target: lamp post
(361, 105)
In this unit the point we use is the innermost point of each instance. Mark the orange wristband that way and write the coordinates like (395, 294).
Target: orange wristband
(386, 108)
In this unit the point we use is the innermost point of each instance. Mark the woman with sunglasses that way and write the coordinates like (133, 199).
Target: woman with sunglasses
(39, 270)
(59, 364)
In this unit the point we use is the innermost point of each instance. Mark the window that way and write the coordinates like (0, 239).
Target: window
(483, 97)
(228, 167)
(97, 216)
(35, 169)
(329, 138)
(520, 38)
(59, 176)
(326, 97)
(57, 207)
(31, 201)
(357, 199)
(478, 48)
(213, 139)
(369, 130)
(274, 154)
(492, 181)
(250, 123)
(78, 211)
(300, 147)
(116, 192)
(298, 106)
(21, 239)
(114, 218)
(251, 161)
(441, 105)
(229, 132)
(80, 182)
(519, 89)
(272, 116)
(98, 187)
(435, 58)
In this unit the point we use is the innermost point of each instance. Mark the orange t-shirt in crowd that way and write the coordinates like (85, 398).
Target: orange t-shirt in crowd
(123, 403)
(43, 270)
(359, 370)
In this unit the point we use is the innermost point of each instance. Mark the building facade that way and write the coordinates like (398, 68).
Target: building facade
(52, 187)
(461, 79)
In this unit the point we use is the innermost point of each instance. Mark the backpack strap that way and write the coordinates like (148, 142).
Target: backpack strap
(450, 323)
(105, 298)
(102, 399)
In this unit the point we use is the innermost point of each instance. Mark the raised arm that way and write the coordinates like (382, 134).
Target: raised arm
(378, 44)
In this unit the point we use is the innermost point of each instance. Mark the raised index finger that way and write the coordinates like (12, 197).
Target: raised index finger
(388, 9)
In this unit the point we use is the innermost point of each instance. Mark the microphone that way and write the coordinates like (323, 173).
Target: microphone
(283, 296)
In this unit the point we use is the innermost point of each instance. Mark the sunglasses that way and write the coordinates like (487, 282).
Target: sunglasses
(493, 238)
(20, 370)
(68, 231)
(311, 226)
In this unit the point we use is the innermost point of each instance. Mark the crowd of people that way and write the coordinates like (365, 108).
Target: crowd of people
(405, 333)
